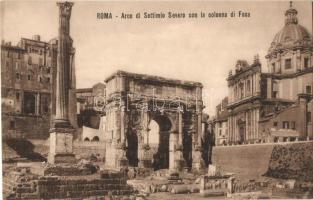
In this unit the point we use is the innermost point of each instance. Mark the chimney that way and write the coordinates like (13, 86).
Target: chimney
(36, 37)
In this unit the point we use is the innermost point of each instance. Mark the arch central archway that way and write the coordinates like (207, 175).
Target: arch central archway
(159, 135)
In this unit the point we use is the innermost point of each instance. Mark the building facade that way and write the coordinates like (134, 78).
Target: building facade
(273, 106)
(27, 82)
(91, 112)
(28, 79)
(220, 121)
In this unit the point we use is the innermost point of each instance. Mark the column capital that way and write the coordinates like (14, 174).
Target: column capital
(65, 8)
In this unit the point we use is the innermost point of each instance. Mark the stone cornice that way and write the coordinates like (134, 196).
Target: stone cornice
(273, 53)
(156, 79)
(243, 101)
(284, 76)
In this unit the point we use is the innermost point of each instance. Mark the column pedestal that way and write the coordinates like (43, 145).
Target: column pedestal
(122, 161)
(197, 160)
(179, 161)
(61, 146)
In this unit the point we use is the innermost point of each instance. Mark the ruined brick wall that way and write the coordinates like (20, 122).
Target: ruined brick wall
(292, 161)
(80, 149)
(48, 187)
(29, 126)
(85, 150)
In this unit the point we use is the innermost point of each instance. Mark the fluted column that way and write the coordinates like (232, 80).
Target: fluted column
(63, 75)
(122, 115)
(122, 160)
(199, 127)
(61, 132)
(144, 150)
(180, 127)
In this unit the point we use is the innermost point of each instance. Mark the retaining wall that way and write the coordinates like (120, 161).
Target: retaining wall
(279, 160)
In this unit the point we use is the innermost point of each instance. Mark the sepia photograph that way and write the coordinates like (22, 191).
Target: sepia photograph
(156, 100)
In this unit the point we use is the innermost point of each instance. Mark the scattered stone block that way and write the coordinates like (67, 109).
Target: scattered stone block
(180, 189)
(290, 183)
(163, 188)
(210, 193)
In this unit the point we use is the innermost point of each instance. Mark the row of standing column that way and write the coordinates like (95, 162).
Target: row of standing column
(251, 130)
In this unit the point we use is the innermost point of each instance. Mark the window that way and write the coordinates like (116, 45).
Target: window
(248, 86)
(17, 76)
(306, 63)
(48, 80)
(293, 125)
(48, 70)
(45, 105)
(308, 89)
(275, 90)
(18, 55)
(241, 90)
(16, 65)
(29, 60)
(285, 125)
(29, 77)
(235, 93)
(308, 117)
(220, 132)
(95, 139)
(40, 79)
(29, 103)
(275, 124)
(12, 124)
(40, 62)
(288, 63)
(8, 54)
(17, 95)
(273, 68)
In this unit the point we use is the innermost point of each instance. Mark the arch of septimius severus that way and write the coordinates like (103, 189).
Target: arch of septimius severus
(133, 103)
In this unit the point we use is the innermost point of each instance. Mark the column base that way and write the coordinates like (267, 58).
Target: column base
(121, 159)
(179, 161)
(197, 161)
(61, 146)
(122, 163)
(145, 164)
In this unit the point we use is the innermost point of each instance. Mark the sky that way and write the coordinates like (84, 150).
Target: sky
(201, 49)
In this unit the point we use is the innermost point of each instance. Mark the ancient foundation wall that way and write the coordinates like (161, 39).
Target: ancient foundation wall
(29, 126)
(292, 161)
(247, 161)
(284, 160)
(86, 149)
(53, 187)
(81, 149)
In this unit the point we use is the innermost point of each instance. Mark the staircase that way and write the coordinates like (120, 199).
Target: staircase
(20, 149)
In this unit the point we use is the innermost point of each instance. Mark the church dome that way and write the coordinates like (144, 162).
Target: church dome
(292, 34)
